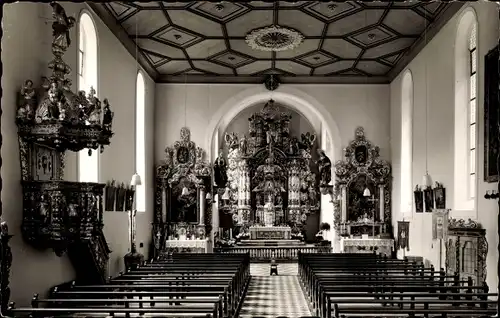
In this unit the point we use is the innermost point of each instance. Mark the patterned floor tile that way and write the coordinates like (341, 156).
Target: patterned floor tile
(285, 269)
(274, 296)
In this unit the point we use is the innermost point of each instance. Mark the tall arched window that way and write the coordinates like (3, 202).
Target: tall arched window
(407, 144)
(472, 111)
(465, 112)
(88, 165)
(140, 142)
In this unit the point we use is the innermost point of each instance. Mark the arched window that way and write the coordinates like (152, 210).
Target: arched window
(472, 111)
(466, 113)
(88, 165)
(407, 144)
(140, 142)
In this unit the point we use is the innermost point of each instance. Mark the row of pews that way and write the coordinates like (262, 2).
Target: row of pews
(368, 285)
(184, 285)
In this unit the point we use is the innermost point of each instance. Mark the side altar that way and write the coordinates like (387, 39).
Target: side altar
(268, 186)
(363, 188)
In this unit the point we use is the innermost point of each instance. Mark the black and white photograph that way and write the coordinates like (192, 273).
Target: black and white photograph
(249, 159)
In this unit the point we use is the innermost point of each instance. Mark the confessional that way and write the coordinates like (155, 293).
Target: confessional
(182, 215)
(466, 250)
(363, 182)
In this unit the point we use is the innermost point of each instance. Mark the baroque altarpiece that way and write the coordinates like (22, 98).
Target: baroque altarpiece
(363, 187)
(182, 209)
(269, 180)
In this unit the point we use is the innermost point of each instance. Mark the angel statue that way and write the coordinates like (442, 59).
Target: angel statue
(60, 27)
(220, 170)
(324, 167)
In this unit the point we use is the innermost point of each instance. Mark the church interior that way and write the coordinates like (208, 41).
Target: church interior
(250, 159)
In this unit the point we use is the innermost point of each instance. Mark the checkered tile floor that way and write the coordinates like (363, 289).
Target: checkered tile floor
(274, 296)
(262, 269)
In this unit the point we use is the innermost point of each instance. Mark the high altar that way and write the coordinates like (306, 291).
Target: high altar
(363, 182)
(270, 188)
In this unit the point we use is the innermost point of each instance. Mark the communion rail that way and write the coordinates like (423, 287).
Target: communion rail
(279, 253)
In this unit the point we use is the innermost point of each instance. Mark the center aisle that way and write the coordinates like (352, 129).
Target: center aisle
(273, 296)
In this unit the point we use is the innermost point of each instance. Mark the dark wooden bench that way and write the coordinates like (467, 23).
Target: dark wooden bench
(166, 289)
(366, 285)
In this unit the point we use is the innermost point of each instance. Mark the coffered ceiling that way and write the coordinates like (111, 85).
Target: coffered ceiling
(343, 42)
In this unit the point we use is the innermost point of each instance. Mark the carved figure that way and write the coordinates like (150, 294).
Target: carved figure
(27, 102)
(220, 170)
(307, 140)
(107, 119)
(243, 145)
(294, 146)
(60, 27)
(231, 140)
(325, 168)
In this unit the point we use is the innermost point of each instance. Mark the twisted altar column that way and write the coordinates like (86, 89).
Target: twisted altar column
(202, 199)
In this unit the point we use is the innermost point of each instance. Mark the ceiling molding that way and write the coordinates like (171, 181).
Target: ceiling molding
(123, 37)
(252, 79)
(425, 38)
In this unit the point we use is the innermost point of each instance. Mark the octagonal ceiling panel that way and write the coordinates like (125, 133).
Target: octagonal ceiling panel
(333, 67)
(144, 22)
(242, 47)
(354, 22)
(292, 67)
(174, 67)
(341, 48)
(198, 24)
(406, 22)
(306, 47)
(201, 37)
(388, 48)
(372, 67)
(213, 68)
(241, 26)
(253, 68)
(205, 49)
(302, 22)
(162, 49)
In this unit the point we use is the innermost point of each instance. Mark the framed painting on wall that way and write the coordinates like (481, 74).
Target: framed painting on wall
(491, 105)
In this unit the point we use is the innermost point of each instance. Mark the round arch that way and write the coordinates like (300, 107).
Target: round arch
(290, 97)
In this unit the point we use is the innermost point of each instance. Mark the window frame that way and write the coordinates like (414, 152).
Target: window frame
(88, 47)
(472, 126)
(406, 151)
(140, 159)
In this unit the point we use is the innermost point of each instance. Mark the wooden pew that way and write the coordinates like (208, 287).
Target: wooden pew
(213, 288)
(363, 285)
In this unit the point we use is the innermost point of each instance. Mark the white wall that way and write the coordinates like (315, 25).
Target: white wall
(25, 54)
(438, 57)
(349, 106)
